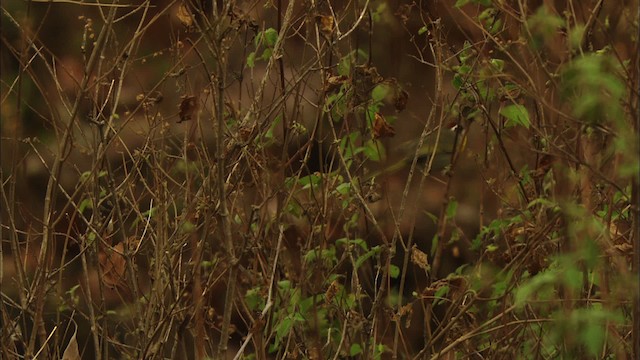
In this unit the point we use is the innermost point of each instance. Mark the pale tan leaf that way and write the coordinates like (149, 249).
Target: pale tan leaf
(419, 258)
(184, 15)
(72, 352)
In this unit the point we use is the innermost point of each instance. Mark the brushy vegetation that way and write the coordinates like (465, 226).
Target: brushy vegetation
(319, 179)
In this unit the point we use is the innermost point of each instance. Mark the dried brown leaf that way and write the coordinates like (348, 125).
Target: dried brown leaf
(419, 258)
(188, 107)
(184, 15)
(334, 82)
(381, 127)
(113, 265)
(332, 291)
(326, 23)
(400, 100)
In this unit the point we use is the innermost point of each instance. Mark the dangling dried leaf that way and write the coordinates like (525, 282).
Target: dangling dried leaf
(188, 107)
(418, 257)
(325, 23)
(72, 352)
(331, 291)
(400, 100)
(113, 265)
(407, 311)
(404, 12)
(334, 82)
(184, 15)
(373, 193)
(381, 128)
(337, 80)
(544, 165)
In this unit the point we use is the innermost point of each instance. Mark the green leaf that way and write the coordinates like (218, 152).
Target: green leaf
(254, 299)
(457, 81)
(187, 227)
(423, 30)
(380, 92)
(526, 291)
(440, 294)
(355, 349)
(461, 3)
(269, 134)
(344, 188)
(361, 259)
(91, 237)
(434, 245)
(266, 54)
(374, 150)
(476, 244)
(311, 256)
(593, 336)
(452, 209)
(310, 181)
(497, 64)
(85, 204)
(251, 59)
(344, 66)
(573, 277)
(516, 115)
(431, 216)
(394, 271)
(283, 328)
(358, 242)
(270, 37)
(73, 289)
(492, 248)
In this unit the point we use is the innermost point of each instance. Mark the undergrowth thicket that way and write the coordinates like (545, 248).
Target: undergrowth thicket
(317, 179)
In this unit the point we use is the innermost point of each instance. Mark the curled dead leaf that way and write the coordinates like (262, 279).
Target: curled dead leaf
(373, 193)
(400, 100)
(331, 291)
(404, 12)
(326, 23)
(334, 82)
(381, 128)
(188, 107)
(113, 265)
(184, 15)
(419, 258)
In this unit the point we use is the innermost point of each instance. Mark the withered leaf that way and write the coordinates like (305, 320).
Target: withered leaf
(184, 15)
(419, 258)
(381, 127)
(333, 82)
(72, 352)
(404, 12)
(400, 100)
(332, 291)
(113, 265)
(325, 23)
(188, 107)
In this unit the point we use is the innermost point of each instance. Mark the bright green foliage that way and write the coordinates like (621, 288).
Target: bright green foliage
(542, 26)
(516, 115)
